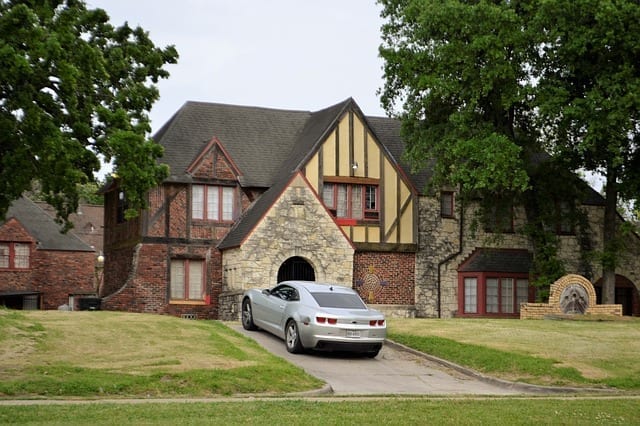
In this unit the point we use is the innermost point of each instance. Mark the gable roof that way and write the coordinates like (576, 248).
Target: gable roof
(257, 139)
(43, 228)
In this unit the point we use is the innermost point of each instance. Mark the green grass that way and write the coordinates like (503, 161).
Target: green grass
(519, 367)
(389, 411)
(111, 355)
(559, 353)
(107, 354)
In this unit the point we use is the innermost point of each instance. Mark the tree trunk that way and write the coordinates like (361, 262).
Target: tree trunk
(609, 235)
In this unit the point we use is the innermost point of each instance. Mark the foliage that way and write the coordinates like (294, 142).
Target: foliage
(455, 70)
(75, 89)
(484, 87)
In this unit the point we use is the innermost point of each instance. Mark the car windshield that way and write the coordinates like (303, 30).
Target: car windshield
(339, 300)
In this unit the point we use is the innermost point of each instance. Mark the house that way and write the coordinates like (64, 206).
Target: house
(41, 268)
(256, 196)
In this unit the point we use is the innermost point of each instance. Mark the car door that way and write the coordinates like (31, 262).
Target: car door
(275, 307)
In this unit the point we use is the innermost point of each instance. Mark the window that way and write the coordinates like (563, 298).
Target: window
(446, 204)
(339, 300)
(500, 295)
(213, 203)
(187, 279)
(565, 218)
(349, 201)
(471, 295)
(493, 295)
(15, 255)
(499, 219)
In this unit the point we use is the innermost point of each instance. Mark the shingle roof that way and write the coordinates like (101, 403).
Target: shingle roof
(498, 260)
(43, 228)
(257, 139)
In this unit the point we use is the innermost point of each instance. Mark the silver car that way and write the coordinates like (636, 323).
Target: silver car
(310, 315)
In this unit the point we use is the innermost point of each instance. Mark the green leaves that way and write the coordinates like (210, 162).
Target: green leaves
(70, 82)
(454, 70)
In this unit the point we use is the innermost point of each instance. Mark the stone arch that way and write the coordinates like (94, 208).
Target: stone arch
(559, 287)
(627, 294)
(296, 268)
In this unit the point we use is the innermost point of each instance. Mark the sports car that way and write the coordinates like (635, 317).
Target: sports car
(315, 316)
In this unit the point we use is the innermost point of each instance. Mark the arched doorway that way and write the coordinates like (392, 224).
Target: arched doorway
(626, 295)
(296, 268)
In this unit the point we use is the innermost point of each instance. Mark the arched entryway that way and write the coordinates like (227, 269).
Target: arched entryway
(626, 295)
(296, 268)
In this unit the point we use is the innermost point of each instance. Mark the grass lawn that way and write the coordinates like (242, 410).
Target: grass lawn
(389, 411)
(547, 352)
(106, 354)
(97, 355)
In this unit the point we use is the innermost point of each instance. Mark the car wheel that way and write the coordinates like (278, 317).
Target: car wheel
(247, 316)
(292, 338)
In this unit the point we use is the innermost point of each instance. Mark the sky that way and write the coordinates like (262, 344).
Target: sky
(289, 54)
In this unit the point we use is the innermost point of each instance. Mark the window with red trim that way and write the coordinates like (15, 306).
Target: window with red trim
(187, 280)
(446, 204)
(493, 294)
(15, 255)
(351, 201)
(214, 203)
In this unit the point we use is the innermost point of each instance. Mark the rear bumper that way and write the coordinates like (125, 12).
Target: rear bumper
(329, 345)
(330, 338)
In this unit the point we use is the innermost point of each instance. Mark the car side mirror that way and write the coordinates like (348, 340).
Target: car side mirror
(266, 292)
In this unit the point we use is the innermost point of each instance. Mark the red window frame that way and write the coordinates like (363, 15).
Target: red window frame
(481, 293)
(446, 204)
(186, 282)
(370, 211)
(223, 215)
(8, 260)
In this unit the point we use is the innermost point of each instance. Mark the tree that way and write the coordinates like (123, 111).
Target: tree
(456, 69)
(478, 83)
(589, 100)
(75, 89)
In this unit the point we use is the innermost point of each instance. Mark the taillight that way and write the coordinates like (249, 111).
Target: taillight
(374, 323)
(325, 320)
(381, 322)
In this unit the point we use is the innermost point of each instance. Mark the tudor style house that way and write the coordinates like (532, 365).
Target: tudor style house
(41, 268)
(256, 196)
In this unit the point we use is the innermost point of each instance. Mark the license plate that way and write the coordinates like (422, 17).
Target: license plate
(355, 334)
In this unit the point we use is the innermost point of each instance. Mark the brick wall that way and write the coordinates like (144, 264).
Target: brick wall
(385, 278)
(146, 289)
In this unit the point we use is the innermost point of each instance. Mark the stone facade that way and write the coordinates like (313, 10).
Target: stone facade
(442, 249)
(296, 225)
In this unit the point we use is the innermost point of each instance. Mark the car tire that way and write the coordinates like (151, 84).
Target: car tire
(247, 316)
(292, 338)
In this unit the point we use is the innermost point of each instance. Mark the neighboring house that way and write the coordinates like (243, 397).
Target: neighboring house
(41, 268)
(256, 196)
(87, 223)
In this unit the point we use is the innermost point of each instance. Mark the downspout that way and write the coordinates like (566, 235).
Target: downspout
(450, 257)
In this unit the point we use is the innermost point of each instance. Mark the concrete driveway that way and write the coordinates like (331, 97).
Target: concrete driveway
(393, 372)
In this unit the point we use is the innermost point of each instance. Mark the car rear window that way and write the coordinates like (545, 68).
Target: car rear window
(339, 300)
